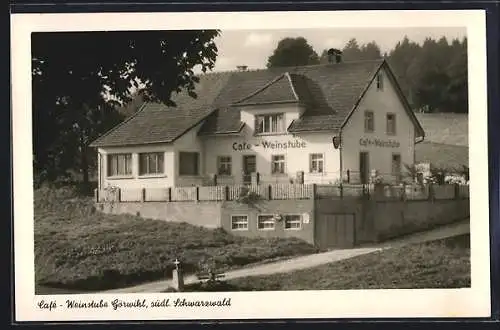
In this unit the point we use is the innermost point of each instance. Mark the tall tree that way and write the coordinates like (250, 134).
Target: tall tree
(370, 51)
(351, 51)
(79, 78)
(293, 52)
(457, 90)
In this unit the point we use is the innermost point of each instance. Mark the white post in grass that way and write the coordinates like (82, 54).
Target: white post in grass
(177, 276)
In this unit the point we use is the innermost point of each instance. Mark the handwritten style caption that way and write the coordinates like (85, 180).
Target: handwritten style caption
(120, 304)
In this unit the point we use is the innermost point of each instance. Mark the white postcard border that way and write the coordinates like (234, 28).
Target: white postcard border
(473, 302)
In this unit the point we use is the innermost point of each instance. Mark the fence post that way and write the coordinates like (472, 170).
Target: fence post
(226, 192)
(348, 176)
(119, 194)
(96, 195)
(403, 193)
(457, 191)
(431, 192)
(269, 192)
(197, 194)
(169, 194)
(143, 195)
(314, 191)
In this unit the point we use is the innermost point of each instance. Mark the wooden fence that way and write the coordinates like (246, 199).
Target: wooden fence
(282, 192)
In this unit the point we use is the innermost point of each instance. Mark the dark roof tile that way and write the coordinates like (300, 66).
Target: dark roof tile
(279, 89)
(328, 92)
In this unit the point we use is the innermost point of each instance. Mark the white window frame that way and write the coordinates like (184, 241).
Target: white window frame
(198, 163)
(279, 161)
(322, 160)
(240, 222)
(268, 221)
(270, 118)
(160, 170)
(387, 123)
(292, 215)
(380, 81)
(368, 114)
(128, 169)
(226, 163)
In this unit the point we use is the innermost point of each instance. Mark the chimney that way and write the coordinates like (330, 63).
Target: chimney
(242, 67)
(334, 55)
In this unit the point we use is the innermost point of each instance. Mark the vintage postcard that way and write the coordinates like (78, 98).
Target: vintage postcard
(216, 166)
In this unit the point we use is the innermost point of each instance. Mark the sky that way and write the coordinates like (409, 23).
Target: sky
(253, 47)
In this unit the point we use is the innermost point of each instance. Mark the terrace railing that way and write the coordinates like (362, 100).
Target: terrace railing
(283, 191)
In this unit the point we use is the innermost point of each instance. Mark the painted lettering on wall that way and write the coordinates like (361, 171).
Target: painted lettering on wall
(378, 143)
(293, 144)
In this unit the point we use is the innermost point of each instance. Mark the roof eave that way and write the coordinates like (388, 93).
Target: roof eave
(223, 132)
(264, 103)
(131, 144)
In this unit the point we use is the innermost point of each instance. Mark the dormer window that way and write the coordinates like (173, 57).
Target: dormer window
(269, 124)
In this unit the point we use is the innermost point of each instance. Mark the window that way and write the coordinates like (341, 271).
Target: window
(369, 122)
(391, 124)
(293, 221)
(269, 123)
(119, 164)
(151, 163)
(265, 222)
(278, 164)
(380, 82)
(188, 163)
(239, 222)
(316, 163)
(224, 165)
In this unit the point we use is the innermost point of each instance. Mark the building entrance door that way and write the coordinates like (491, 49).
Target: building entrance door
(364, 167)
(396, 167)
(249, 167)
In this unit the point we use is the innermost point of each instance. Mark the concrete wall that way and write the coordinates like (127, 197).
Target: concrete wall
(206, 214)
(303, 207)
(376, 217)
(377, 220)
(380, 102)
(396, 218)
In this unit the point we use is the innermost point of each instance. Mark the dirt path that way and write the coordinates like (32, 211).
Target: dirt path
(310, 261)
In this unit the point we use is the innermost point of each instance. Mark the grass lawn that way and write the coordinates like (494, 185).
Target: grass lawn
(78, 248)
(438, 264)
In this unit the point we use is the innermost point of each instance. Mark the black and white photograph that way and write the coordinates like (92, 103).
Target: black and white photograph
(178, 167)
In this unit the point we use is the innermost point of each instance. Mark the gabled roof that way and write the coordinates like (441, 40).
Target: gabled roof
(329, 93)
(157, 123)
(278, 90)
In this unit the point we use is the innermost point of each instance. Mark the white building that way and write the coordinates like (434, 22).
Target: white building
(278, 123)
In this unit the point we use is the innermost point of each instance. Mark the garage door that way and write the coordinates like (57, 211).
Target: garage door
(335, 230)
